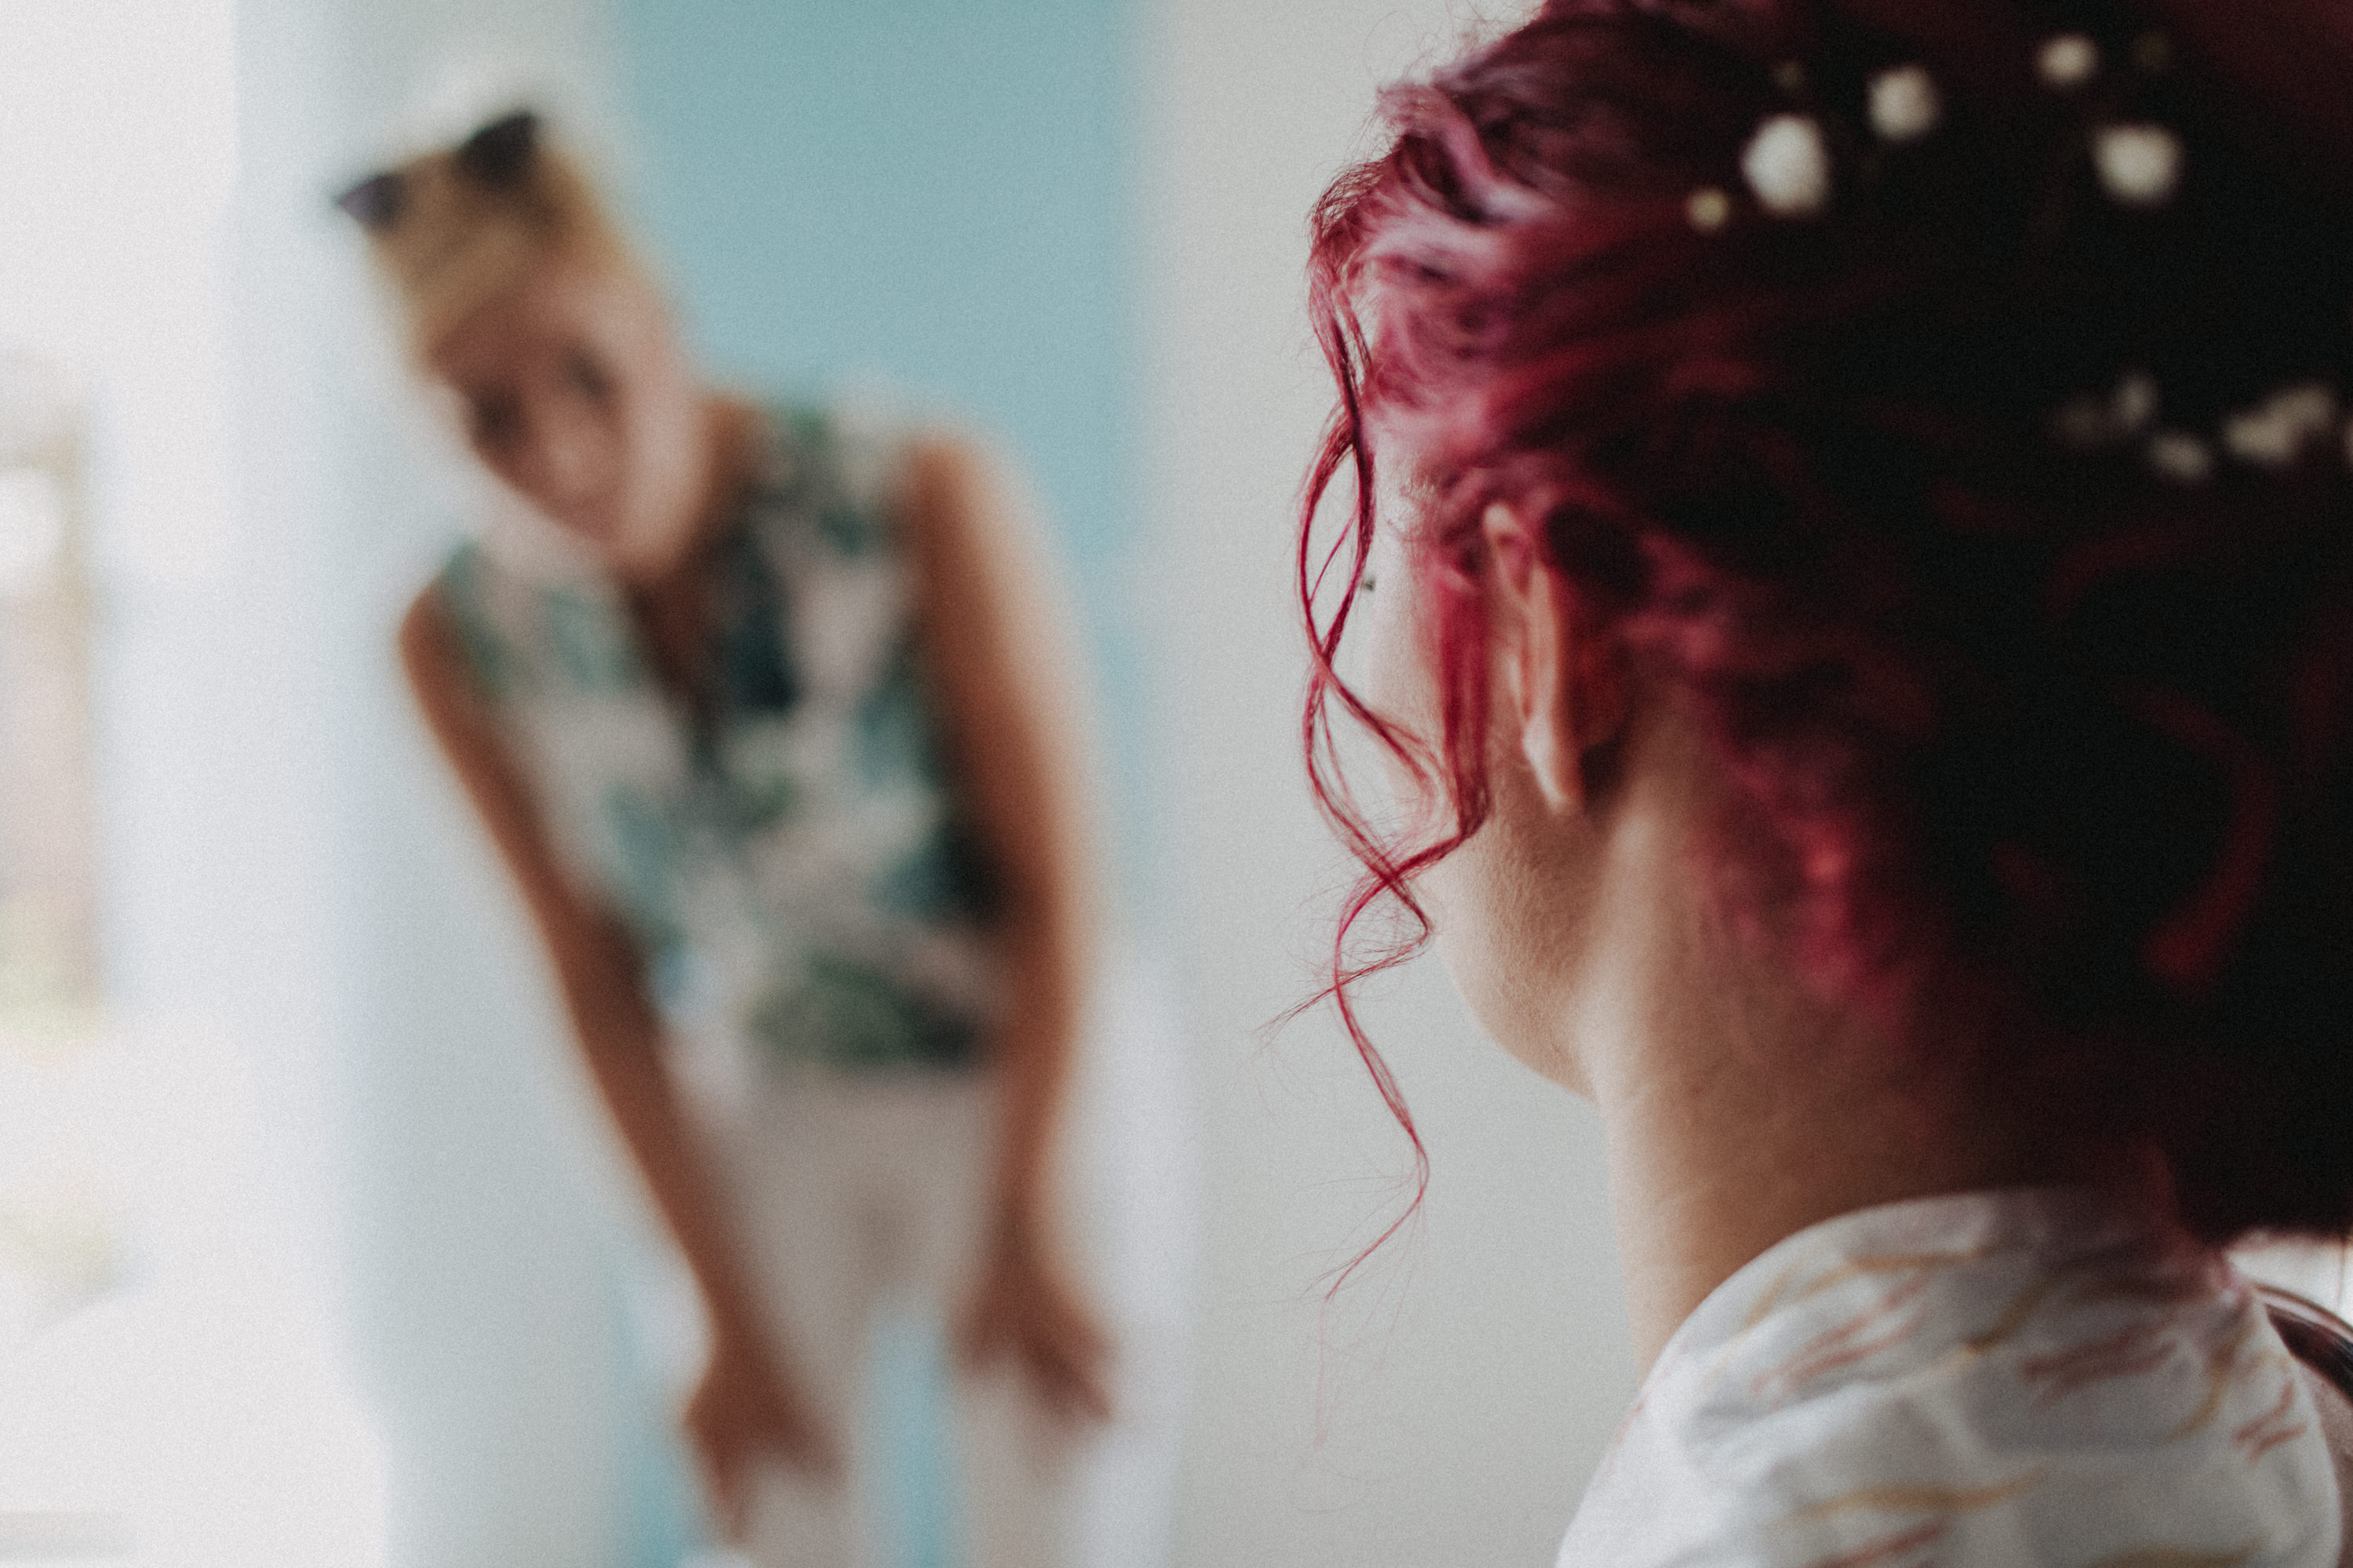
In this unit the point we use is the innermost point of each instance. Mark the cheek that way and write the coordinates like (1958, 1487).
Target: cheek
(659, 430)
(1465, 893)
(1396, 680)
(1486, 900)
(583, 457)
(1401, 677)
(1501, 941)
(1497, 903)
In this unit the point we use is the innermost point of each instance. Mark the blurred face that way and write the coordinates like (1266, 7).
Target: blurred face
(574, 392)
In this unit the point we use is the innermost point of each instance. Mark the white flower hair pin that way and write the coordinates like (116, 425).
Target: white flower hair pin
(2274, 435)
(2139, 165)
(2067, 61)
(1788, 164)
(1905, 104)
(1790, 172)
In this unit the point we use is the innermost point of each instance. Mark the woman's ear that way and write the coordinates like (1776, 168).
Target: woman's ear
(1561, 690)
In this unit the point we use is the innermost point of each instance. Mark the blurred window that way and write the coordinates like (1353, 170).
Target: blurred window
(61, 1225)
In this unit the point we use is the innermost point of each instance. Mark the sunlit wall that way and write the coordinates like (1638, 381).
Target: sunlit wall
(480, 1236)
(200, 1414)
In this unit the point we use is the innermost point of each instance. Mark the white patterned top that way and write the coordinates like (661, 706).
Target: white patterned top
(2016, 1379)
(793, 862)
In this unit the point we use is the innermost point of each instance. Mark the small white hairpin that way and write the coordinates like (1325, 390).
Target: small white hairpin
(2089, 420)
(2139, 165)
(2275, 432)
(2082, 422)
(2134, 403)
(1788, 164)
(1905, 103)
(1707, 209)
(2181, 458)
(2069, 60)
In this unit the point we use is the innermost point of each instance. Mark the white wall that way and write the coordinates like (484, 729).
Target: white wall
(1446, 1409)
(202, 1099)
(478, 1226)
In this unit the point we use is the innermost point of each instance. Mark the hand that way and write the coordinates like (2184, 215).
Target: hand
(745, 1410)
(1025, 1310)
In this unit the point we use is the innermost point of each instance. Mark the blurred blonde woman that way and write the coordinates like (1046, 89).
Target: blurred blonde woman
(778, 740)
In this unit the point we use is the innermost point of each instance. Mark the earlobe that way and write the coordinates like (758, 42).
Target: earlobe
(1547, 712)
(1559, 780)
(1547, 667)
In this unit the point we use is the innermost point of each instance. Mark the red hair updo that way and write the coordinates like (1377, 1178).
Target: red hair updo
(1948, 398)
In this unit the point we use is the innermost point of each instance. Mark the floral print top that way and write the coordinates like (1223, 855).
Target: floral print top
(789, 858)
(2030, 1379)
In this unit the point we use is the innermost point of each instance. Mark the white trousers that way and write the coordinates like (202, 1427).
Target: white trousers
(851, 1191)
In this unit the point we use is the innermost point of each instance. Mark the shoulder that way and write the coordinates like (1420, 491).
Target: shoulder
(949, 459)
(872, 477)
(456, 670)
(448, 691)
(958, 495)
(1978, 1408)
(428, 640)
(481, 622)
(980, 552)
(946, 479)
(871, 451)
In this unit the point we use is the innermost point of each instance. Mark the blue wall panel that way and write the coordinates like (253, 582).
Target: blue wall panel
(927, 193)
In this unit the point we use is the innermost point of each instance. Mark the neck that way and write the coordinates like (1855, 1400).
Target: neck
(1739, 1109)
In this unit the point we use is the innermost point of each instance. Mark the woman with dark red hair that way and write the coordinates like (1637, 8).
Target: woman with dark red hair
(1855, 508)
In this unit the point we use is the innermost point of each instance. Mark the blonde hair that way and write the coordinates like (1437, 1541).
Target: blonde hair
(454, 228)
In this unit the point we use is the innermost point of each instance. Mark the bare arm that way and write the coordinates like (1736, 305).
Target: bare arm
(1003, 667)
(601, 976)
(1004, 671)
